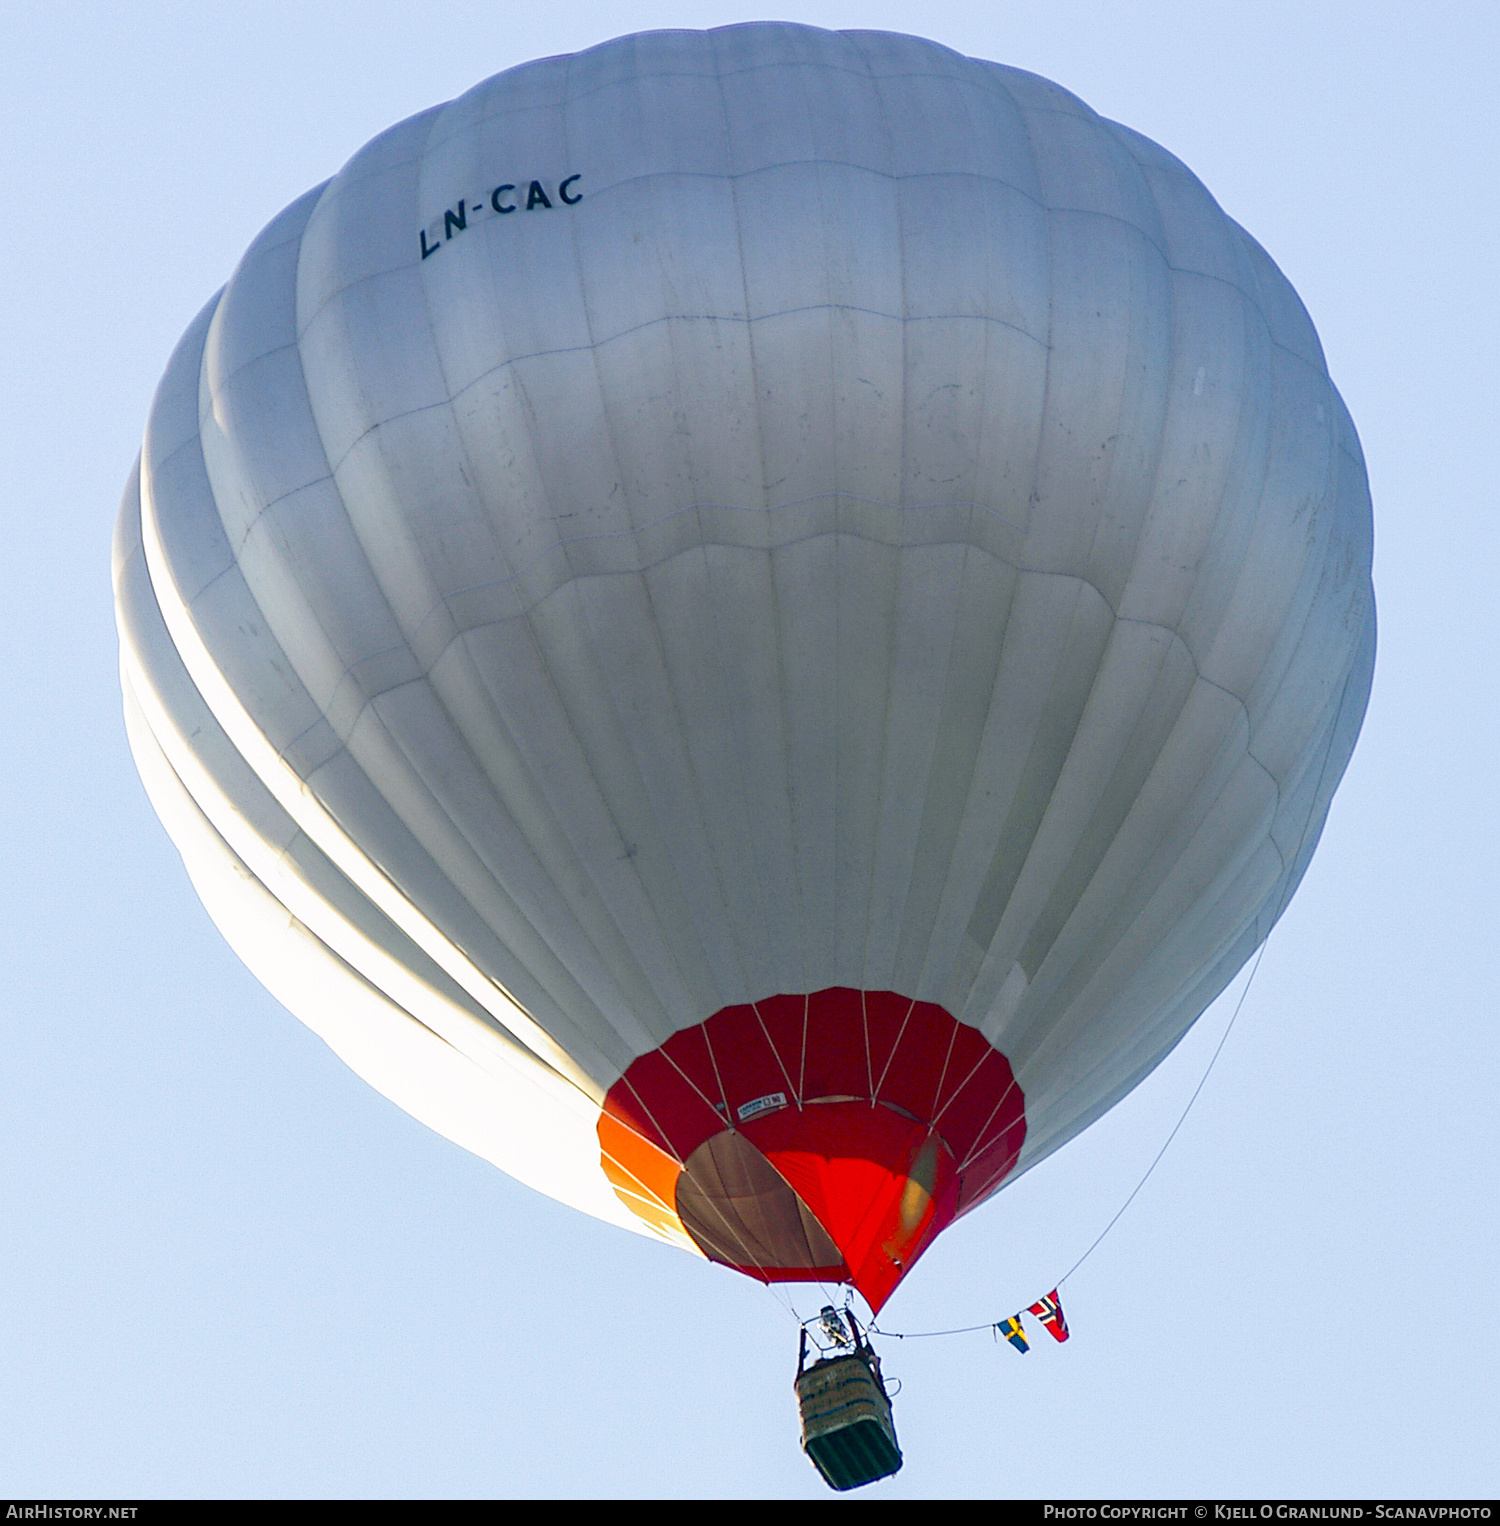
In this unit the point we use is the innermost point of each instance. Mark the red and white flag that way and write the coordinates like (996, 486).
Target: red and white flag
(1048, 1309)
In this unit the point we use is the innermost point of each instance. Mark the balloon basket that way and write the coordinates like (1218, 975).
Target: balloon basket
(847, 1429)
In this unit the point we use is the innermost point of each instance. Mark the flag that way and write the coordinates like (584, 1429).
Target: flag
(1012, 1331)
(1049, 1310)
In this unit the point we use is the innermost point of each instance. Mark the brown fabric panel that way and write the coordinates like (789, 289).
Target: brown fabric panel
(741, 1212)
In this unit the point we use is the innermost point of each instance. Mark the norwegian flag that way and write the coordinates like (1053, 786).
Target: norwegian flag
(1012, 1331)
(1048, 1309)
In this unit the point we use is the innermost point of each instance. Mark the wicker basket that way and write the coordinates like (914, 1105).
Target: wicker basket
(846, 1421)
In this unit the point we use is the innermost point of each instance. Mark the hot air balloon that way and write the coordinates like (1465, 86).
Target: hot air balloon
(750, 625)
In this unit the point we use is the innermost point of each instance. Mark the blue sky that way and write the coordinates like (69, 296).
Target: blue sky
(227, 1267)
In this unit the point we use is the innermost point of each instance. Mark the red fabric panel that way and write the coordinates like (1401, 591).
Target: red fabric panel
(656, 1100)
(988, 1169)
(887, 1016)
(835, 1063)
(881, 1185)
(689, 1052)
(785, 1020)
(748, 1065)
(911, 1077)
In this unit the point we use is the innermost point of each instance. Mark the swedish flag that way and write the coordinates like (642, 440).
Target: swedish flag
(1012, 1331)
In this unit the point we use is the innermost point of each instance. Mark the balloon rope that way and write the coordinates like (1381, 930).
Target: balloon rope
(918, 1335)
(1254, 970)
(1333, 731)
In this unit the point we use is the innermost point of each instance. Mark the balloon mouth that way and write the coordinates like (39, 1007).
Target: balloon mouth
(832, 1191)
(821, 1138)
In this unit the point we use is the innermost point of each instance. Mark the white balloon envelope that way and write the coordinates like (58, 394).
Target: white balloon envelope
(750, 625)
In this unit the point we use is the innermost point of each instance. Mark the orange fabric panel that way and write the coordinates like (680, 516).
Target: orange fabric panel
(643, 1176)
